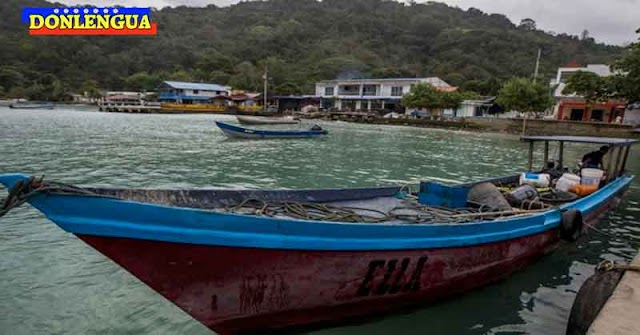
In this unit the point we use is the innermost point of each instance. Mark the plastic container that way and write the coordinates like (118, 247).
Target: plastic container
(534, 179)
(591, 176)
(582, 190)
(567, 180)
(524, 192)
(435, 194)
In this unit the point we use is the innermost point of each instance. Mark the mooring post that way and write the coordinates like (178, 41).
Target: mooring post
(618, 161)
(546, 152)
(610, 166)
(530, 156)
(560, 154)
(624, 161)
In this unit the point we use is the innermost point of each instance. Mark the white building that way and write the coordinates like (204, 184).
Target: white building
(573, 107)
(564, 73)
(370, 94)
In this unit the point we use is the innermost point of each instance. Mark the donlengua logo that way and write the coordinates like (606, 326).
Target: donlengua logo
(89, 21)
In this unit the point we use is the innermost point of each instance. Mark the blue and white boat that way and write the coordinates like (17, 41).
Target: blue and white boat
(241, 132)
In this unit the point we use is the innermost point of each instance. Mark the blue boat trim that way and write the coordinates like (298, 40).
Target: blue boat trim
(128, 219)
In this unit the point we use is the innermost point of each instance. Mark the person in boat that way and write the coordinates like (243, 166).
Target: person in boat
(594, 158)
(316, 128)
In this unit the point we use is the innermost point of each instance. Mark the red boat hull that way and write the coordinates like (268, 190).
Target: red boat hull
(236, 290)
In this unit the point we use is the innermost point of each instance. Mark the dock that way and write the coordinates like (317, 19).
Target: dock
(608, 302)
(130, 108)
(619, 316)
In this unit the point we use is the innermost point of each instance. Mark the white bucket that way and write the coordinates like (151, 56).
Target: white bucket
(567, 181)
(591, 176)
(534, 179)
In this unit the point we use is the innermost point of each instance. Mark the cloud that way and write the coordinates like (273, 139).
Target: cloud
(610, 21)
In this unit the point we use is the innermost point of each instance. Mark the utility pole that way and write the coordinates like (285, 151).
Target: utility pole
(535, 75)
(265, 77)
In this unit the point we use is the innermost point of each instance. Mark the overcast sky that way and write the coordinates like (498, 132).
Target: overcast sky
(610, 21)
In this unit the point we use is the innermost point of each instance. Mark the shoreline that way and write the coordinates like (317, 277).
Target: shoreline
(485, 125)
(508, 126)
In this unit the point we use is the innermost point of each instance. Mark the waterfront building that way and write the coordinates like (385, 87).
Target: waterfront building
(180, 92)
(574, 108)
(632, 114)
(370, 94)
(125, 98)
(194, 97)
(246, 101)
(478, 108)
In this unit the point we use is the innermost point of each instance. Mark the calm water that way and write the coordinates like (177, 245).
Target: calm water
(51, 283)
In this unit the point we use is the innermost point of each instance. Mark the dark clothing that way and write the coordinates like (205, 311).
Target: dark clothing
(593, 159)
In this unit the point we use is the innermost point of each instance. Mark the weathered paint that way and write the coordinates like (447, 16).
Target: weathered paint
(236, 290)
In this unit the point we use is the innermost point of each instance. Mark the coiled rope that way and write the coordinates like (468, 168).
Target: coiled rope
(23, 190)
(611, 265)
(326, 212)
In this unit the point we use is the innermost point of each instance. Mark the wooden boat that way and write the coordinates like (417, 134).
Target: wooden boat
(241, 132)
(32, 105)
(264, 120)
(242, 261)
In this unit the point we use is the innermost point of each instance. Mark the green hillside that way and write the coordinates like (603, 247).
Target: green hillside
(302, 41)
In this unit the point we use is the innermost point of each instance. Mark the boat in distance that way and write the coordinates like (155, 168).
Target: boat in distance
(32, 105)
(266, 120)
(242, 261)
(242, 132)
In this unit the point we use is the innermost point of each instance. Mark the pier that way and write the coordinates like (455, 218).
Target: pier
(130, 108)
(608, 301)
(619, 314)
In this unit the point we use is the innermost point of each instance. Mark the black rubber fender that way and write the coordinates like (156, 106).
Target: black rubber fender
(590, 299)
(571, 225)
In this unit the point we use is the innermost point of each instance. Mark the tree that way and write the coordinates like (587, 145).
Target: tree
(489, 87)
(627, 78)
(218, 77)
(90, 88)
(584, 35)
(524, 95)
(527, 24)
(588, 85)
(142, 81)
(424, 95)
(246, 77)
(10, 77)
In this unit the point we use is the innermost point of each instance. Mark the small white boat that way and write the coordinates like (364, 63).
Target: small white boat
(32, 105)
(9, 102)
(267, 120)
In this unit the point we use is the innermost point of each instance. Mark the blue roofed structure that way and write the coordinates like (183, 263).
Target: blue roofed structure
(189, 93)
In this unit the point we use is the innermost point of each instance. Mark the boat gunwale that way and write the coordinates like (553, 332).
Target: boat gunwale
(198, 226)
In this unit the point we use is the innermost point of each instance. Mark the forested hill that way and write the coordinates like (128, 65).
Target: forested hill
(302, 41)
